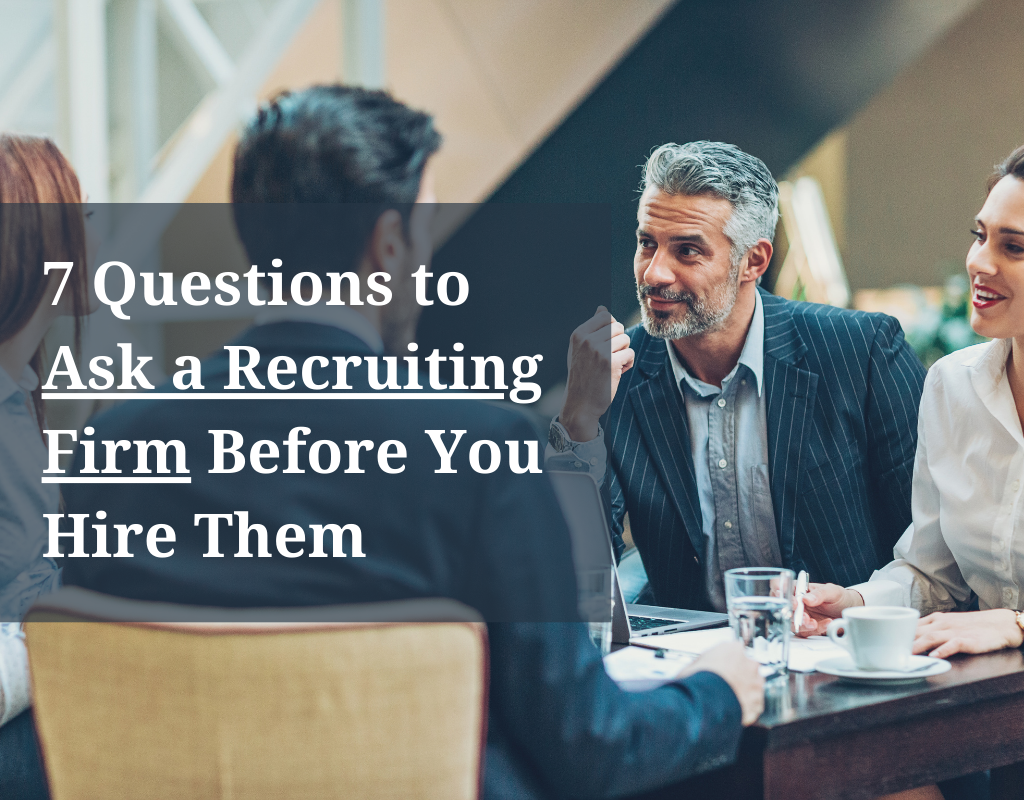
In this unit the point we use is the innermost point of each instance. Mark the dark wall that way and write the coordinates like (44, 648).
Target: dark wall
(771, 76)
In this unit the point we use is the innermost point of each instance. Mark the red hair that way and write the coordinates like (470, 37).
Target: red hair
(40, 220)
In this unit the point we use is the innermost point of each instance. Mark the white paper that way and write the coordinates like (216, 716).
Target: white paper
(633, 664)
(804, 654)
(692, 642)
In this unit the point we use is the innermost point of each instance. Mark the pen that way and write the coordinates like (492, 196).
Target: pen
(801, 589)
(663, 652)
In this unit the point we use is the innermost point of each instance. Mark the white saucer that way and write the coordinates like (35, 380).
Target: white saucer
(843, 667)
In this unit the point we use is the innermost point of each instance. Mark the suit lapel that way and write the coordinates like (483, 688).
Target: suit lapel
(789, 393)
(661, 415)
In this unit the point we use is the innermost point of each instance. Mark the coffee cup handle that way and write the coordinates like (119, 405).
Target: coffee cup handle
(833, 631)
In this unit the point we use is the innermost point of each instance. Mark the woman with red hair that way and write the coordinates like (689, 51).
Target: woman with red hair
(41, 219)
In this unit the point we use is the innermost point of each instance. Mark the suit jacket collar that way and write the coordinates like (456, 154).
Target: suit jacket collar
(660, 412)
(789, 415)
(782, 341)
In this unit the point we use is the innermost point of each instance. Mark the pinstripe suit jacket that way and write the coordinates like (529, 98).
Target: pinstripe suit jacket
(842, 394)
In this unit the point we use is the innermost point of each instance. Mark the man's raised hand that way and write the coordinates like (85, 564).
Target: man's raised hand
(599, 355)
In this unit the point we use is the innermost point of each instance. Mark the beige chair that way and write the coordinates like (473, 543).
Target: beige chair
(130, 704)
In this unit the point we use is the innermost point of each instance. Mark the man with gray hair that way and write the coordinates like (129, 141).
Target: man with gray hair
(754, 431)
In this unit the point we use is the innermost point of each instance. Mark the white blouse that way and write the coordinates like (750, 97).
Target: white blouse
(967, 535)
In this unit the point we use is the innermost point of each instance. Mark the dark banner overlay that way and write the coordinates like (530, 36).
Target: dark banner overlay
(304, 421)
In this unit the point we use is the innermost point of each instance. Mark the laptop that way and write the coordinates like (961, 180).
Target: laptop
(593, 554)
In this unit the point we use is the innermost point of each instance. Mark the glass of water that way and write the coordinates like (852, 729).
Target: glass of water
(596, 605)
(760, 605)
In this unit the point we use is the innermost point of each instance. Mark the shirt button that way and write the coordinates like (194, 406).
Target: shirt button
(593, 461)
(1007, 594)
(723, 464)
(577, 463)
(1016, 485)
(728, 524)
(721, 402)
(743, 382)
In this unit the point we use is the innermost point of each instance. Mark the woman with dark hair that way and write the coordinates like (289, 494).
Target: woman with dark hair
(40, 220)
(965, 548)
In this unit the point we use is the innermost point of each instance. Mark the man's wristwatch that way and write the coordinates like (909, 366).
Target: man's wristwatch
(559, 439)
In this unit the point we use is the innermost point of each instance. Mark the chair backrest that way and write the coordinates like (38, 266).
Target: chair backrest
(241, 709)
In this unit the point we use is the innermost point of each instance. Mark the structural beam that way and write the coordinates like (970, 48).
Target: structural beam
(27, 83)
(144, 88)
(203, 134)
(220, 112)
(199, 39)
(86, 80)
(362, 48)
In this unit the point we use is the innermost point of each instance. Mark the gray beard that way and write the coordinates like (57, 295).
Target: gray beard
(702, 315)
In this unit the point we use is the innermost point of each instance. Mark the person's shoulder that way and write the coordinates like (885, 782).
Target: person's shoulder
(950, 395)
(951, 371)
(820, 315)
(828, 331)
(959, 360)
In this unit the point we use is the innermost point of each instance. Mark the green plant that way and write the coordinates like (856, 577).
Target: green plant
(937, 330)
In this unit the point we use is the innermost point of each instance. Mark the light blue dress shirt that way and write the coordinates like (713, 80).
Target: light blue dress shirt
(24, 499)
(729, 444)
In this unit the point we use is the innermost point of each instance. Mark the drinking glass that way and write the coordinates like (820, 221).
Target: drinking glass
(760, 605)
(596, 604)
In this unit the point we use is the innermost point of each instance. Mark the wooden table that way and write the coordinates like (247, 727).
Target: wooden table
(820, 738)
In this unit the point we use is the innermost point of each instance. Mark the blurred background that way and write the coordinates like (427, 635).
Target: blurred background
(882, 117)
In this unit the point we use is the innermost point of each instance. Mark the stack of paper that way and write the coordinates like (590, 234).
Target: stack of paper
(638, 668)
(804, 654)
(643, 668)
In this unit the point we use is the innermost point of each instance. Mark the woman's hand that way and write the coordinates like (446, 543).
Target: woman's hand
(823, 603)
(943, 634)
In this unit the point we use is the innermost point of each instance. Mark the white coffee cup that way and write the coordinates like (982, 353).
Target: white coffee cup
(878, 637)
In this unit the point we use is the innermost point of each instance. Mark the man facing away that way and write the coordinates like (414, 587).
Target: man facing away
(742, 429)
(558, 726)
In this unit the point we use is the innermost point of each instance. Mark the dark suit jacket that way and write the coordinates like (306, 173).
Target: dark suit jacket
(842, 393)
(558, 725)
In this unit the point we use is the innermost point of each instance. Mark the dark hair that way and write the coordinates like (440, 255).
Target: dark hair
(721, 170)
(40, 220)
(326, 145)
(1013, 165)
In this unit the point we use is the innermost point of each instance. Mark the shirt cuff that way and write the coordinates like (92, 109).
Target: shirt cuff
(15, 694)
(589, 457)
(880, 593)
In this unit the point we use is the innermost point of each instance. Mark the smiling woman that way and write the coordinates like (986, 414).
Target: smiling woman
(965, 548)
(996, 259)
